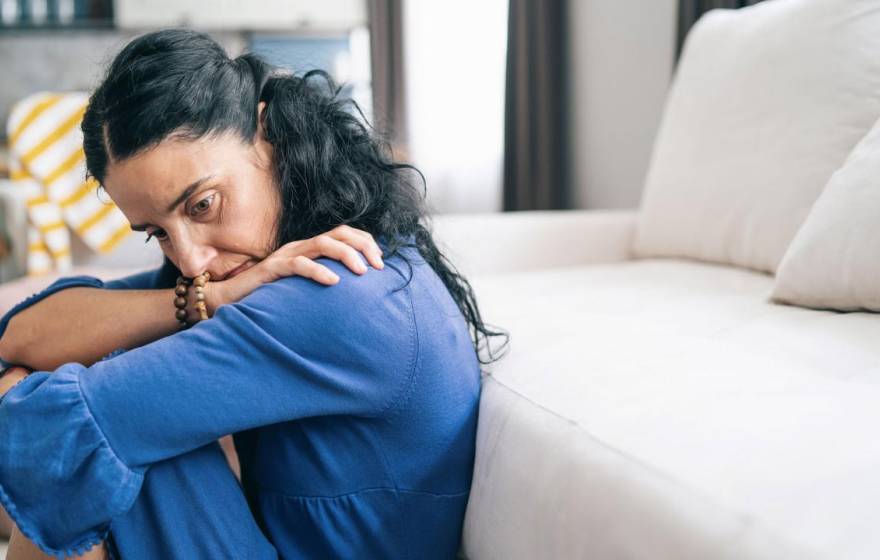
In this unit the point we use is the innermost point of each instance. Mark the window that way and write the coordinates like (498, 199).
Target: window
(55, 14)
(345, 56)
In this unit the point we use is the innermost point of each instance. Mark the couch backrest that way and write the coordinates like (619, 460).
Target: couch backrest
(766, 104)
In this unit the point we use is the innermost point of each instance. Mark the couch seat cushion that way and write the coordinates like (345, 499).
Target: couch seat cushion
(665, 409)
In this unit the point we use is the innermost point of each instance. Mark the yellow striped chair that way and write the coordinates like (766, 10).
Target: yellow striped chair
(46, 159)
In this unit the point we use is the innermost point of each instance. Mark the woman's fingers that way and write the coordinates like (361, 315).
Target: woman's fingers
(344, 244)
(291, 261)
(307, 268)
(326, 246)
(360, 240)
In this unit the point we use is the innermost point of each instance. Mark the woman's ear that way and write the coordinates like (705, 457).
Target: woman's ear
(264, 148)
(261, 107)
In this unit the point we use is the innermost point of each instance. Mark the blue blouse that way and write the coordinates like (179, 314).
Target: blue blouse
(354, 408)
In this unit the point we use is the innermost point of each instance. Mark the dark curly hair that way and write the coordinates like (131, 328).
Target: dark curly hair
(332, 167)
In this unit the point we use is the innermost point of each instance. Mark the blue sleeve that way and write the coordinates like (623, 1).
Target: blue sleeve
(291, 349)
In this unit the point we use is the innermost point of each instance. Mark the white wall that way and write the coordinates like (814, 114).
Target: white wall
(454, 57)
(621, 62)
(242, 14)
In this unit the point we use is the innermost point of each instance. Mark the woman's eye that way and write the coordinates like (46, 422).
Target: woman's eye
(202, 206)
(159, 234)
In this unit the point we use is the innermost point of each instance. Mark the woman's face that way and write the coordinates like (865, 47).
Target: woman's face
(211, 203)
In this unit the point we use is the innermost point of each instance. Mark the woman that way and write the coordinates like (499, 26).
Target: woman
(351, 393)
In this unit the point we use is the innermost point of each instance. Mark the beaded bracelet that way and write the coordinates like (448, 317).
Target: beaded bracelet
(180, 301)
(200, 305)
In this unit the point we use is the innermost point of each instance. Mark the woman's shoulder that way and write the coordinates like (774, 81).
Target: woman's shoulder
(354, 292)
(390, 282)
(374, 305)
(364, 324)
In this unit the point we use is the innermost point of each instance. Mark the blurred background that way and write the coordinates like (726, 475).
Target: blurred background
(503, 104)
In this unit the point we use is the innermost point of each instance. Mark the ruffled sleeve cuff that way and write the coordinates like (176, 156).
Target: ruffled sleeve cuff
(53, 452)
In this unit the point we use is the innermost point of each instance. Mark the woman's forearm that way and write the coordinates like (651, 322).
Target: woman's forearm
(85, 324)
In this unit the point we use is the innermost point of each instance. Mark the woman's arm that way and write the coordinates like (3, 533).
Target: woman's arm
(83, 323)
(10, 378)
(83, 437)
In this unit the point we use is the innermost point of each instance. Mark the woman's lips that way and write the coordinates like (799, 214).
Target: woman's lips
(239, 269)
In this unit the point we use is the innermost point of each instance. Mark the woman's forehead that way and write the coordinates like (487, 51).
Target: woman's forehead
(166, 169)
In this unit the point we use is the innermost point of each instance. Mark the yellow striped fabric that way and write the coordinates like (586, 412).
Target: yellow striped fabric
(46, 159)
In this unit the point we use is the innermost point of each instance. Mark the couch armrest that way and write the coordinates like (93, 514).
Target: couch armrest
(514, 241)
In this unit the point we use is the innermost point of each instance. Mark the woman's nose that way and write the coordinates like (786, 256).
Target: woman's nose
(194, 259)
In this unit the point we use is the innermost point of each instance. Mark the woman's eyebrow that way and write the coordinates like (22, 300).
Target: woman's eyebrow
(187, 192)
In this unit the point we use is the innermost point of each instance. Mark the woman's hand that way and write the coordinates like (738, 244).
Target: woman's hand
(343, 243)
(12, 376)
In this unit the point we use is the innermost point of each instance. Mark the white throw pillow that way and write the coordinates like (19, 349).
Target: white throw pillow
(766, 104)
(834, 260)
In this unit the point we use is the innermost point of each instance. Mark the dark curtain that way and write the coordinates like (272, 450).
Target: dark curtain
(386, 56)
(689, 11)
(536, 108)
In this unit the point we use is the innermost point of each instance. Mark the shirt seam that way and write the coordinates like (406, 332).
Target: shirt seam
(139, 475)
(403, 400)
(396, 402)
(362, 491)
(98, 427)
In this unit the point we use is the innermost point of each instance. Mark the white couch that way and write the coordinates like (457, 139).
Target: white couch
(655, 402)
(662, 408)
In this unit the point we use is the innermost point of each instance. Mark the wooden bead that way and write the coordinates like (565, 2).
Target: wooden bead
(180, 302)
(180, 290)
(203, 311)
(180, 314)
(199, 285)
